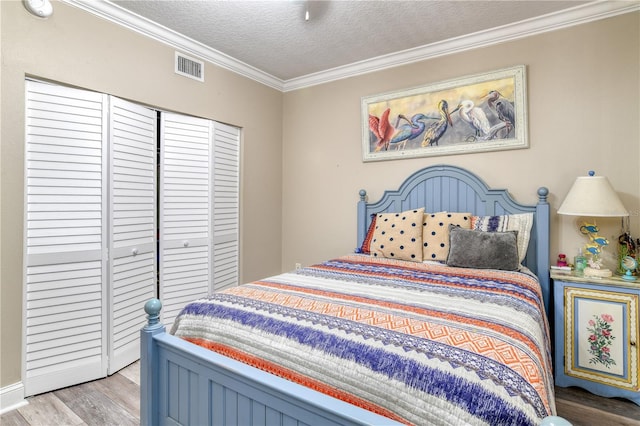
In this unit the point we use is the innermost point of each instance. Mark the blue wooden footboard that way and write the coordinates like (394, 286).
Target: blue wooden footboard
(184, 384)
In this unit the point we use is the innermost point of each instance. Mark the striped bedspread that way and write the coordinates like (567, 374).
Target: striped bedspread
(418, 343)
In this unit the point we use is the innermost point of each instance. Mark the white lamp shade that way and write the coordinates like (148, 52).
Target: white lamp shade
(592, 196)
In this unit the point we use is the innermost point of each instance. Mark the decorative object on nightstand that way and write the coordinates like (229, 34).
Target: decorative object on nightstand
(597, 335)
(579, 263)
(593, 196)
(562, 260)
(629, 264)
(627, 247)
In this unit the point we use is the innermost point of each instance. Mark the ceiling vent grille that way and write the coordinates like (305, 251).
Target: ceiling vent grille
(189, 67)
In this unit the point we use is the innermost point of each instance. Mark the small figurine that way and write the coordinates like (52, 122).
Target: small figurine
(595, 269)
(595, 263)
(562, 260)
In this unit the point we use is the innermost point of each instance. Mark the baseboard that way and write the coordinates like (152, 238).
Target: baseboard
(12, 397)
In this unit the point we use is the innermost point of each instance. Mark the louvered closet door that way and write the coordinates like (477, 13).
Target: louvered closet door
(226, 209)
(133, 232)
(185, 211)
(64, 250)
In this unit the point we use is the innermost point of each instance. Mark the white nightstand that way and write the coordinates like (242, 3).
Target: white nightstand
(597, 335)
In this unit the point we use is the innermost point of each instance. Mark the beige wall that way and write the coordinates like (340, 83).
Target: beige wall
(583, 96)
(76, 48)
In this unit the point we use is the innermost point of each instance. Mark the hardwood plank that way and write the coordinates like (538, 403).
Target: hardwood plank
(48, 409)
(121, 391)
(574, 401)
(13, 418)
(132, 372)
(583, 415)
(94, 407)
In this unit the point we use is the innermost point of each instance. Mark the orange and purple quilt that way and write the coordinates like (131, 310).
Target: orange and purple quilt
(420, 343)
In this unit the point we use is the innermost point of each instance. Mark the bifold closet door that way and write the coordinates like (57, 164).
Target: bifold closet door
(185, 211)
(226, 206)
(90, 243)
(65, 245)
(132, 230)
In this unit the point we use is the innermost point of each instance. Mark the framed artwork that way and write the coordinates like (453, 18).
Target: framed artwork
(478, 113)
(599, 326)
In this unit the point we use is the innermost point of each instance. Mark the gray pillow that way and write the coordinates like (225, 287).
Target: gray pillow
(469, 248)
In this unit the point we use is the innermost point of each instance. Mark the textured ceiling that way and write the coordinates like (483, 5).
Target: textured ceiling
(273, 36)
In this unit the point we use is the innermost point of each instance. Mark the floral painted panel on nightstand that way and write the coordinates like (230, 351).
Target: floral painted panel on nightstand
(601, 332)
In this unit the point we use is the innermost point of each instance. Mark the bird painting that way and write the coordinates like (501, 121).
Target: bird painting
(478, 120)
(382, 129)
(435, 131)
(503, 108)
(409, 131)
(470, 114)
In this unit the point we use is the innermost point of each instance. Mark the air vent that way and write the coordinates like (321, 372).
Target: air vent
(189, 67)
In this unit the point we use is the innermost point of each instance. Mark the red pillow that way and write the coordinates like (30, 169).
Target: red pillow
(365, 248)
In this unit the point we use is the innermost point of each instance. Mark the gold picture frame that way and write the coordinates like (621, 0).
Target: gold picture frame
(478, 113)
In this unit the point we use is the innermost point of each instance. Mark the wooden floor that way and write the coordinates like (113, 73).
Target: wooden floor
(116, 401)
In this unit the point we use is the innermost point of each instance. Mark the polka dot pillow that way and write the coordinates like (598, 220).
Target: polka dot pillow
(435, 233)
(398, 235)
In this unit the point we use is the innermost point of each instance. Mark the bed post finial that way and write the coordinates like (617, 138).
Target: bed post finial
(543, 191)
(362, 218)
(152, 308)
(542, 246)
(150, 364)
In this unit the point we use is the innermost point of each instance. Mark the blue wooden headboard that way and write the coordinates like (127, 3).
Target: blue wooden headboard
(450, 188)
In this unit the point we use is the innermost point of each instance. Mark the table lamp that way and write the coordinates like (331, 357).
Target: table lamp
(593, 196)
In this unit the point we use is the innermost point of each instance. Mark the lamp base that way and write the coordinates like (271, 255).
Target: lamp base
(597, 273)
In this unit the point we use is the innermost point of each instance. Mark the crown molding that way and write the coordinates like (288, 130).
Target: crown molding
(118, 15)
(581, 14)
(570, 17)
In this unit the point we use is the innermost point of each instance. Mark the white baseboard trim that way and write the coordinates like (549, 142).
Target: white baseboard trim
(12, 397)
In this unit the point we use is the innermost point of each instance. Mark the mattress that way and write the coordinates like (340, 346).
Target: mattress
(419, 343)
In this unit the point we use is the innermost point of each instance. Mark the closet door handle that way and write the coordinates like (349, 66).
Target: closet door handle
(186, 244)
(134, 251)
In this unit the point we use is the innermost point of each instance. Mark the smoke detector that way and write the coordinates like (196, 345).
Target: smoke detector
(39, 8)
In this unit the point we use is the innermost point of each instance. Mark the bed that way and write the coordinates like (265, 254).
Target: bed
(378, 336)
